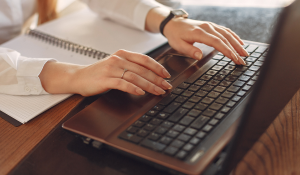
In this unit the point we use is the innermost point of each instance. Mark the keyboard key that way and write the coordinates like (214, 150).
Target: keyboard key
(160, 130)
(181, 154)
(217, 67)
(194, 113)
(219, 88)
(207, 100)
(255, 55)
(143, 133)
(211, 72)
(219, 116)
(171, 150)
(190, 131)
(261, 49)
(219, 77)
(207, 128)
(236, 98)
(218, 57)
(222, 63)
(152, 112)
(215, 106)
(225, 83)
(201, 134)
(206, 77)
(199, 122)
(158, 107)
(149, 127)
(213, 82)
(145, 118)
(132, 129)
(201, 106)
(201, 93)
(166, 100)
(251, 82)
(167, 124)
(241, 68)
(254, 68)
(194, 88)
(236, 73)
(231, 103)
(207, 88)
(178, 115)
(224, 72)
(186, 120)
(227, 94)
(233, 89)
(195, 99)
(155, 121)
(251, 48)
(200, 82)
(249, 73)
(188, 105)
(188, 147)
(213, 122)
(154, 136)
(165, 140)
(213, 94)
(246, 88)
(184, 137)
(184, 85)
(251, 59)
(238, 83)
(138, 124)
(209, 112)
(244, 78)
(172, 107)
(181, 99)
(194, 141)
(172, 133)
(162, 115)
(226, 59)
(130, 137)
(258, 63)
(153, 145)
(187, 93)
(179, 128)
(225, 109)
(177, 143)
(177, 91)
(222, 100)
(230, 78)
(241, 93)
(230, 67)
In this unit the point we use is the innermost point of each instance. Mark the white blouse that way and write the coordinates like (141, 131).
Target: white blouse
(18, 74)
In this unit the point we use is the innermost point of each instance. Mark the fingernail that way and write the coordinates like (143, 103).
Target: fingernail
(166, 73)
(234, 57)
(140, 91)
(159, 90)
(245, 52)
(198, 55)
(166, 84)
(242, 62)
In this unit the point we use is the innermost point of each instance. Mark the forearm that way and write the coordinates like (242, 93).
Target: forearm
(59, 78)
(154, 17)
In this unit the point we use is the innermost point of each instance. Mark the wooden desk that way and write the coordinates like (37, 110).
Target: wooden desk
(276, 152)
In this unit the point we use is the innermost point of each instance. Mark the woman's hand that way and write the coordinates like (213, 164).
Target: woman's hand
(183, 33)
(143, 74)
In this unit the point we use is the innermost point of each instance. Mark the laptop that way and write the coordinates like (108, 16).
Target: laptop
(215, 111)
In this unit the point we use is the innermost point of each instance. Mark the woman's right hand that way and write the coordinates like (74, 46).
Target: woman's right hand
(143, 74)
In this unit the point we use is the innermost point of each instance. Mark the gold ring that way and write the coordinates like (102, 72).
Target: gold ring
(124, 73)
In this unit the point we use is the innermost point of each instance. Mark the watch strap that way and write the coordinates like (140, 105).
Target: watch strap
(164, 22)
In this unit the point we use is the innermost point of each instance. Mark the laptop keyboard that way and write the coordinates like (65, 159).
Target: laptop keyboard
(182, 119)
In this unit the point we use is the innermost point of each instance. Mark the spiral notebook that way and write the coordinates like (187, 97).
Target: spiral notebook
(52, 40)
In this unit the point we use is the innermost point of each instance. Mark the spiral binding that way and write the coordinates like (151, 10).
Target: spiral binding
(67, 45)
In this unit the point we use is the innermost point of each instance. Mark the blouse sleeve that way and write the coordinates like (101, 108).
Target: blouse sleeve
(127, 12)
(20, 75)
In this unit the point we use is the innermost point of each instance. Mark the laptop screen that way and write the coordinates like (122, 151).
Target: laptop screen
(278, 81)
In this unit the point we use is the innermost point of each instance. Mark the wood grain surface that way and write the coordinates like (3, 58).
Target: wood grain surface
(17, 142)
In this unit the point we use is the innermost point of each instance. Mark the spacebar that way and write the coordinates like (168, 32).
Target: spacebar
(201, 71)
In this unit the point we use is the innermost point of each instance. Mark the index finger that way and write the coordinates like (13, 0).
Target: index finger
(144, 61)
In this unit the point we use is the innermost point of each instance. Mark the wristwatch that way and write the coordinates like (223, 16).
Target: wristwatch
(173, 14)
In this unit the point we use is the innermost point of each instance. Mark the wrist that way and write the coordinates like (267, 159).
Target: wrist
(155, 17)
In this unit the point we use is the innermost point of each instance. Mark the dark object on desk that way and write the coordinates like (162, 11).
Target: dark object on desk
(185, 130)
(52, 156)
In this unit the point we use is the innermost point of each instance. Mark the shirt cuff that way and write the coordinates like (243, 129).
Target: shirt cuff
(28, 72)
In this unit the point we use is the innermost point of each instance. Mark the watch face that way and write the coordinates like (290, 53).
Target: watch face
(180, 12)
